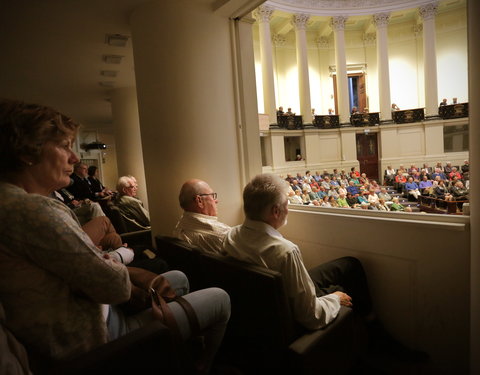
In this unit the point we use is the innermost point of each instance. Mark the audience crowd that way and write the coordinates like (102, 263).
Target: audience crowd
(356, 190)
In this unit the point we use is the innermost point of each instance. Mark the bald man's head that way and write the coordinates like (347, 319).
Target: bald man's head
(197, 196)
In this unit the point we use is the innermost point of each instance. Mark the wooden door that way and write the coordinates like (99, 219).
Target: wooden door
(367, 154)
(359, 91)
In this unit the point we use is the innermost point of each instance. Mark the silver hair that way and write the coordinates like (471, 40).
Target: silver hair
(262, 193)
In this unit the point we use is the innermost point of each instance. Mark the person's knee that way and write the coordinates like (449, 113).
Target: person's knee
(178, 281)
(219, 300)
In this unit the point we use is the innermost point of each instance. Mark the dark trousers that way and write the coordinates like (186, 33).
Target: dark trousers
(344, 275)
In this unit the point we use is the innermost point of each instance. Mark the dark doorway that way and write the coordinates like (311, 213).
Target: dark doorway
(357, 95)
(367, 154)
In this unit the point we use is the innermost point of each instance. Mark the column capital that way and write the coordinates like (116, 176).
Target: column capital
(263, 13)
(338, 23)
(279, 40)
(428, 11)
(300, 20)
(381, 19)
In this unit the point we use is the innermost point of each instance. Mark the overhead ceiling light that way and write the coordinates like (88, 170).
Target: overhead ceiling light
(107, 84)
(116, 40)
(112, 59)
(109, 73)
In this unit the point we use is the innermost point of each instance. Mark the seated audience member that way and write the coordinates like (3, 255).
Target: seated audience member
(299, 178)
(353, 189)
(333, 193)
(280, 111)
(342, 201)
(354, 172)
(355, 110)
(85, 210)
(318, 177)
(198, 224)
(438, 172)
(448, 168)
(425, 185)
(459, 192)
(316, 295)
(395, 107)
(403, 170)
(400, 178)
(322, 192)
(296, 186)
(80, 187)
(314, 194)
(384, 195)
(443, 102)
(296, 198)
(412, 188)
(439, 166)
(331, 111)
(334, 182)
(325, 202)
(73, 288)
(382, 206)
(396, 206)
(455, 173)
(413, 168)
(289, 112)
(373, 206)
(465, 169)
(440, 191)
(131, 208)
(375, 186)
(333, 201)
(308, 177)
(305, 197)
(372, 197)
(326, 183)
(454, 100)
(306, 186)
(95, 185)
(363, 198)
(352, 200)
(342, 189)
(389, 175)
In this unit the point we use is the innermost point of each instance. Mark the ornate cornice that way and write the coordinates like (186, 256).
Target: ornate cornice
(428, 11)
(263, 13)
(381, 19)
(279, 40)
(300, 21)
(338, 23)
(323, 42)
(369, 39)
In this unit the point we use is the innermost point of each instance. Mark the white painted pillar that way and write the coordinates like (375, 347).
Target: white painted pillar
(128, 141)
(263, 14)
(338, 26)
(186, 102)
(299, 22)
(473, 11)
(427, 12)
(381, 22)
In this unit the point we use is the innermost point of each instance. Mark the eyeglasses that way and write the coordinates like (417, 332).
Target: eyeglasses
(214, 195)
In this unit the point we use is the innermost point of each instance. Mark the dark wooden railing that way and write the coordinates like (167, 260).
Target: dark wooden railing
(408, 115)
(326, 122)
(453, 111)
(365, 119)
(435, 205)
(290, 122)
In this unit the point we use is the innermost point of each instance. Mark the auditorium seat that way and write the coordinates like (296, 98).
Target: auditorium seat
(262, 333)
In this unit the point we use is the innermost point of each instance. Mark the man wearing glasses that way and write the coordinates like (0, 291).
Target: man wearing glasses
(198, 224)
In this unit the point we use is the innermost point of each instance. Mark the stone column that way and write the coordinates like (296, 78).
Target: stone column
(427, 12)
(299, 21)
(263, 14)
(187, 106)
(473, 93)
(338, 26)
(381, 22)
(128, 140)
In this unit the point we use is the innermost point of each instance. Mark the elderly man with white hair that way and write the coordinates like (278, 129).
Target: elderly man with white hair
(198, 224)
(315, 295)
(135, 215)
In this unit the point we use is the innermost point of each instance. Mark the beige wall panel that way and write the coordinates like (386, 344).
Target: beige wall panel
(409, 290)
(411, 141)
(329, 147)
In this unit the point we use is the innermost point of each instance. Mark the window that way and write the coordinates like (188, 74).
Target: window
(455, 138)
